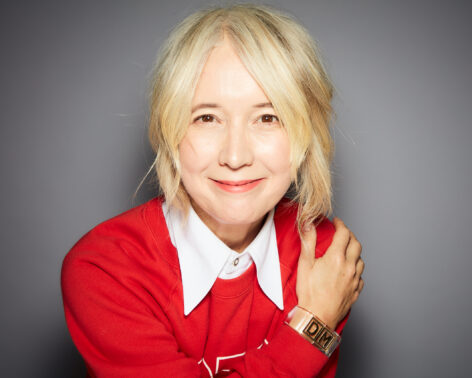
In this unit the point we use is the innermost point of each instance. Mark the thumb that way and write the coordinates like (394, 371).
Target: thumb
(308, 239)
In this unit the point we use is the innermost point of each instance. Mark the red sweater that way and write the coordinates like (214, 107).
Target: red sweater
(123, 304)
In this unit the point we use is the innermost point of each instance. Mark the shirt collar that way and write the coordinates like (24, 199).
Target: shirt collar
(202, 256)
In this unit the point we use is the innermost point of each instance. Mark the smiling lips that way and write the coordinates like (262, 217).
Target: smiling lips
(237, 186)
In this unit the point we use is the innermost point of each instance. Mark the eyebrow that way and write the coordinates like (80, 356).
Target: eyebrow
(264, 105)
(213, 105)
(204, 105)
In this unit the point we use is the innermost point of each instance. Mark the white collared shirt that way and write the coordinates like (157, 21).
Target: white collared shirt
(203, 257)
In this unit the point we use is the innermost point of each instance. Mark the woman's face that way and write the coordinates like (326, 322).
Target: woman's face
(235, 156)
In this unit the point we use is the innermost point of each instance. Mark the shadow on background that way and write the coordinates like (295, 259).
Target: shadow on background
(353, 360)
(65, 362)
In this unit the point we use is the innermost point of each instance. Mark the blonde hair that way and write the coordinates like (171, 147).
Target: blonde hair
(283, 59)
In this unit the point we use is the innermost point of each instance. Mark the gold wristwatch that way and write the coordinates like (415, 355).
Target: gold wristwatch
(313, 330)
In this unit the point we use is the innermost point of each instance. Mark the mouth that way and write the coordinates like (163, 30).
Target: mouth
(237, 186)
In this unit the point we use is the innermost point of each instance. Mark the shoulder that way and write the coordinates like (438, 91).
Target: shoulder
(288, 238)
(123, 247)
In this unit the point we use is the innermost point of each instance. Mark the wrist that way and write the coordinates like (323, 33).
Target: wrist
(330, 321)
(313, 329)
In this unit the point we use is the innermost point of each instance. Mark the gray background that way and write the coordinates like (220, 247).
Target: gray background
(73, 149)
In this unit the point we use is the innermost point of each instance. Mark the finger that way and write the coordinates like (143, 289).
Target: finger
(354, 249)
(340, 239)
(308, 239)
(360, 286)
(352, 236)
(360, 267)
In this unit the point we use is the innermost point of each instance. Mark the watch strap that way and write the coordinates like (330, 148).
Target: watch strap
(313, 330)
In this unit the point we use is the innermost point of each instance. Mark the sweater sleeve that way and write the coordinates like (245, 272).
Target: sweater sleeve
(290, 355)
(114, 331)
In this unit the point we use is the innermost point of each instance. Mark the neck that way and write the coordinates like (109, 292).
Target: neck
(235, 236)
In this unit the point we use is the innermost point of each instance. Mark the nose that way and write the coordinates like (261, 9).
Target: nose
(236, 151)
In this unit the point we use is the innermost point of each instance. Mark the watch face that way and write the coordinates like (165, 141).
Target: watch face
(321, 336)
(313, 330)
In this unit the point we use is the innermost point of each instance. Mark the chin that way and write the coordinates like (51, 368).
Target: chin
(235, 209)
(238, 219)
(239, 212)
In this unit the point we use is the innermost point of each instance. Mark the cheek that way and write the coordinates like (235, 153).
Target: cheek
(194, 157)
(187, 154)
(275, 152)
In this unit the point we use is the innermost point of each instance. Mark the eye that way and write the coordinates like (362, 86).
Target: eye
(204, 118)
(269, 118)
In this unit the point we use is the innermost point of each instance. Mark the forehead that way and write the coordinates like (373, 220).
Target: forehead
(224, 77)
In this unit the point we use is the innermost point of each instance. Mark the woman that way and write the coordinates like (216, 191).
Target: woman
(212, 278)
